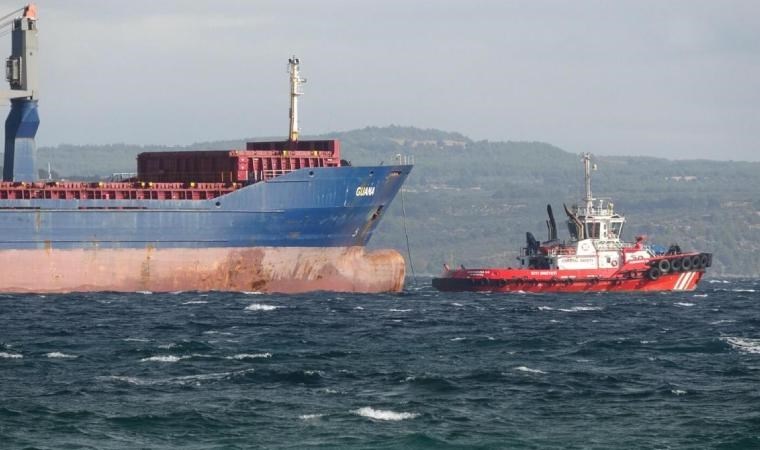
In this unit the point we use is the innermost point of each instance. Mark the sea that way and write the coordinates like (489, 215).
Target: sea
(419, 369)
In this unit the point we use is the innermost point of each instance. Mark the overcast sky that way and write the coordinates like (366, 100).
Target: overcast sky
(678, 79)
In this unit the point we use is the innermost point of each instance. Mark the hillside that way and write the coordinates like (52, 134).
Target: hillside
(471, 202)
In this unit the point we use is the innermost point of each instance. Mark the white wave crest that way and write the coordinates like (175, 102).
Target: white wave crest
(252, 293)
(545, 308)
(10, 355)
(529, 370)
(399, 310)
(581, 308)
(722, 321)
(743, 290)
(678, 392)
(380, 414)
(700, 295)
(195, 302)
(684, 304)
(135, 340)
(718, 281)
(124, 379)
(183, 380)
(745, 345)
(261, 307)
(310, 416)
(250, 356)
(457, 304)
(457, 339)
(164, 358)
(59, 355)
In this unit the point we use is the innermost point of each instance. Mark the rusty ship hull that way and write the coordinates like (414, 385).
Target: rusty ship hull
(245, 269)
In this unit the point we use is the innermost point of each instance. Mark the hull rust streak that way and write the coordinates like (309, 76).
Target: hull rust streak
(263, 269)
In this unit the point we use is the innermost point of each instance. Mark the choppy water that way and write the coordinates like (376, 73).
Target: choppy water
(418, 370)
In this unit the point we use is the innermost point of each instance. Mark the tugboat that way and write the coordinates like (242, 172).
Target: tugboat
(595, 259)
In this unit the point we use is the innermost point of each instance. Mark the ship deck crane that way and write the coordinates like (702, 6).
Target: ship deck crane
(21, 73)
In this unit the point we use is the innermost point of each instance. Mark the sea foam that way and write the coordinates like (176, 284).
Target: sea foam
(580, 308)
(10, 355)
(164, 358)
(745, 345)
(380, 414)
(261, 307)
(250, 356)
(529, 370)
(59, 355)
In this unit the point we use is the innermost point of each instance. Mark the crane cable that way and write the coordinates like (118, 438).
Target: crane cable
(4, 23)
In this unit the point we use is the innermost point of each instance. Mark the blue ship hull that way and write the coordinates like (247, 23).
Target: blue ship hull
(307, 208)
(301, 231)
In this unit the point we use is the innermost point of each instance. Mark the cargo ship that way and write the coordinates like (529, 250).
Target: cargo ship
(594, 259)
(283, 216)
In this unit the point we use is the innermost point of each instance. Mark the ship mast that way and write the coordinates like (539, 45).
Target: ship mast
(295, 91)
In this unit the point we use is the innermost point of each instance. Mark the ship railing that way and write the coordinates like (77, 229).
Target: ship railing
(608, 245)
(122, 176)
(272, 173)
(568, 250)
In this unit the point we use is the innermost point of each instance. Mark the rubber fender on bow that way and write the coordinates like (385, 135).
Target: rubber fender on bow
(653, 273)
(705, 260)
(664, 266)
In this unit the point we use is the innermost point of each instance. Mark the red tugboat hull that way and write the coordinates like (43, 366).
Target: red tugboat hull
(634, 277)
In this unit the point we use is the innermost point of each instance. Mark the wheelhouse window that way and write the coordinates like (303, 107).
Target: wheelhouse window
(615, 229)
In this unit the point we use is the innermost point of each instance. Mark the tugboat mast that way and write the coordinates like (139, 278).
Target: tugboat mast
(295, 91)
(589, 199)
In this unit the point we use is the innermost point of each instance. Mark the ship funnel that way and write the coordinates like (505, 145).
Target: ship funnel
(551, 224)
